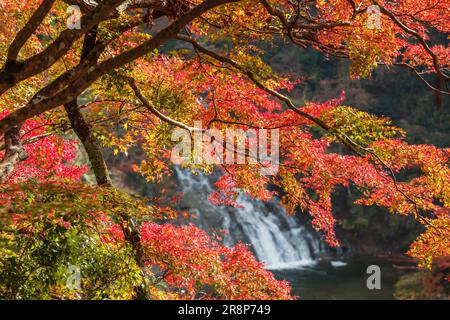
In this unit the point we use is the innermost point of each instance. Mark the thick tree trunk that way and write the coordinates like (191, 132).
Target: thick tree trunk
(81, 127)
(93, 151)
(14, 153)
(130, 229)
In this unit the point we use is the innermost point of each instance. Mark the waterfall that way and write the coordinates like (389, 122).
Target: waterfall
(276, 239)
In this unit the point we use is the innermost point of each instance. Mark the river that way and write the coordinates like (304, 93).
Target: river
(338, 280)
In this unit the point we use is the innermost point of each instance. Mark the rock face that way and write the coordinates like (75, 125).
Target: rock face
(276, 239)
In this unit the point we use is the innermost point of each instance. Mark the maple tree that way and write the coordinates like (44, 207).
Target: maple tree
(108, 83)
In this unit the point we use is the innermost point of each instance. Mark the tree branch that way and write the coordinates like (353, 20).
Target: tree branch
(30, 140)
(26, 32)
(155, 111)
(417, 36)
(345, 140)
(39, 106)
(13, 73)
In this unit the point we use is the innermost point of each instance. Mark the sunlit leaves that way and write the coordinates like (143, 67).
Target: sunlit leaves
(361, 127)
(434, 242)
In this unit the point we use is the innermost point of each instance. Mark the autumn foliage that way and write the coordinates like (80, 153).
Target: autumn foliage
(106, 86)
(68, 222)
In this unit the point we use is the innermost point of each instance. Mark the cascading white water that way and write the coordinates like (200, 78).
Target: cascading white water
(276, 239)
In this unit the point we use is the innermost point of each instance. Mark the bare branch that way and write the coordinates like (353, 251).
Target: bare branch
(30, 140)
(422, 78)
(155, 111)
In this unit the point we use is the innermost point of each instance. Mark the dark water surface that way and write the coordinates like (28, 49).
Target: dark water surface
(338, 282)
